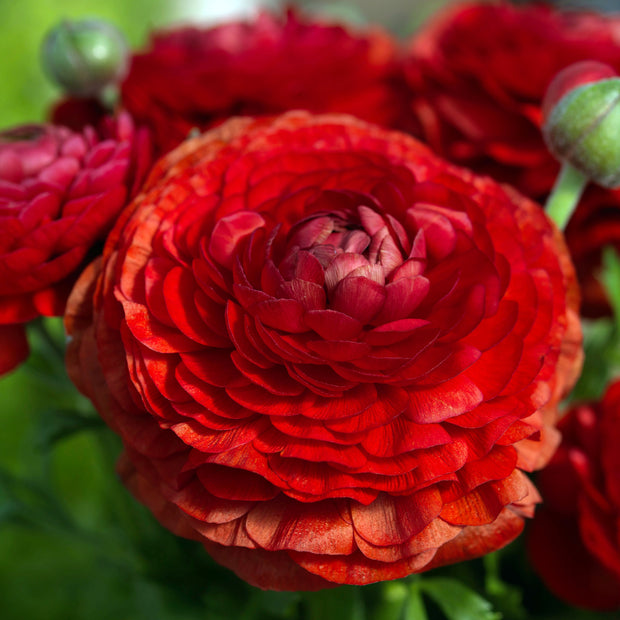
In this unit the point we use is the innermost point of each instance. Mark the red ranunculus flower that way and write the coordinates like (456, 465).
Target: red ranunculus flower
(574, 541)
(477, 90)
(76, 113)
(192, 78)
(478, 74)
(60, 193)
(329, 353)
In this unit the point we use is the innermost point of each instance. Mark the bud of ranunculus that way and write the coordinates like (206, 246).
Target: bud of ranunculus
(86, 56)
(581, 120)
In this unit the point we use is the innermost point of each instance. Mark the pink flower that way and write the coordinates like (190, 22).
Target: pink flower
(60, 193)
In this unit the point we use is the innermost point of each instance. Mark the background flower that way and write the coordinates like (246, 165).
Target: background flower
(60, 193)
(328, 353)
(574, 539)
(477, 93)
(192, 78)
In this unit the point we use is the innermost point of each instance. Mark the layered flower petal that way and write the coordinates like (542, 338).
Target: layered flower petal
(322, 380)
(60, 193)
(191, 79)
(477, 98)
(574, 542)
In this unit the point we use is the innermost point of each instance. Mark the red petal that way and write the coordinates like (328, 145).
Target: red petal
(235, 484)
(14, 349)
(213, 366)
(331, 325)
(356, 569)
(393, 520)
(272, 570)
(236, 321)
(360, 298)
(445, 401)
(207, 440)
(275, 379)
(388, 403)
(476, 541)
(283, 314)
(482, 505)
(393, 332)
(402, 435)
(227, 233)
(403, 296)
(258, 399)
(314, 528)
(338, 350)
(433, 536)
(311, 296)
(152, 334)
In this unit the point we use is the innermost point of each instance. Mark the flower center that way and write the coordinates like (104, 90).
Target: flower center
(358, 241)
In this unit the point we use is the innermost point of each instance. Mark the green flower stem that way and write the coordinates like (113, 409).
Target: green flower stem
(565, 194)
(53, 347)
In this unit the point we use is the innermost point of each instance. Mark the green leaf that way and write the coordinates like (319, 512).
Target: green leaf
(506, 597)
(56, 425)
(28, 503)
(602, 336)
(394, 596)
(279, 604)
(599, 346)
(342, 603)
(457, 601)
(414, 607)
(610, 279)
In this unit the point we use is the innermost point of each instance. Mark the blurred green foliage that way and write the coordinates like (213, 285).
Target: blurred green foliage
(25, 93)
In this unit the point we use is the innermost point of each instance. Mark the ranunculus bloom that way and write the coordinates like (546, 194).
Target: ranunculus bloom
(574, 541)
(192, 78)
(60, 193)
(77, 112)
(478, 74)
(329, 353)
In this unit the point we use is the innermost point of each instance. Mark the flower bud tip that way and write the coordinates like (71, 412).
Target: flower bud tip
(85, 57)
(581, 120)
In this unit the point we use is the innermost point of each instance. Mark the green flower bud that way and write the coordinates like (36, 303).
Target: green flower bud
(85, 57)
(583, 129)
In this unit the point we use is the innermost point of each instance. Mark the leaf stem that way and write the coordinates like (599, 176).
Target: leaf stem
(565, 194)
(40, 327)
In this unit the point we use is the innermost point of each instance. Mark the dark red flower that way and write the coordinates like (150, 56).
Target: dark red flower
(192, 78)
(60, 193)
(574, 541)
(329, 354)
(477, 90)
(478, 75)
(76, 113)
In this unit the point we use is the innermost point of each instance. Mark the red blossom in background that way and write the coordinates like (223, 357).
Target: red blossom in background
(574, 541)
(76, 113)
(60, 193)
(329, 354)
(477, 94)
(192, 78)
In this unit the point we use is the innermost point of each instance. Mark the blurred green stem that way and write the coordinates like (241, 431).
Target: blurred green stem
(342, 603)
(565, 195)
(40, 328)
